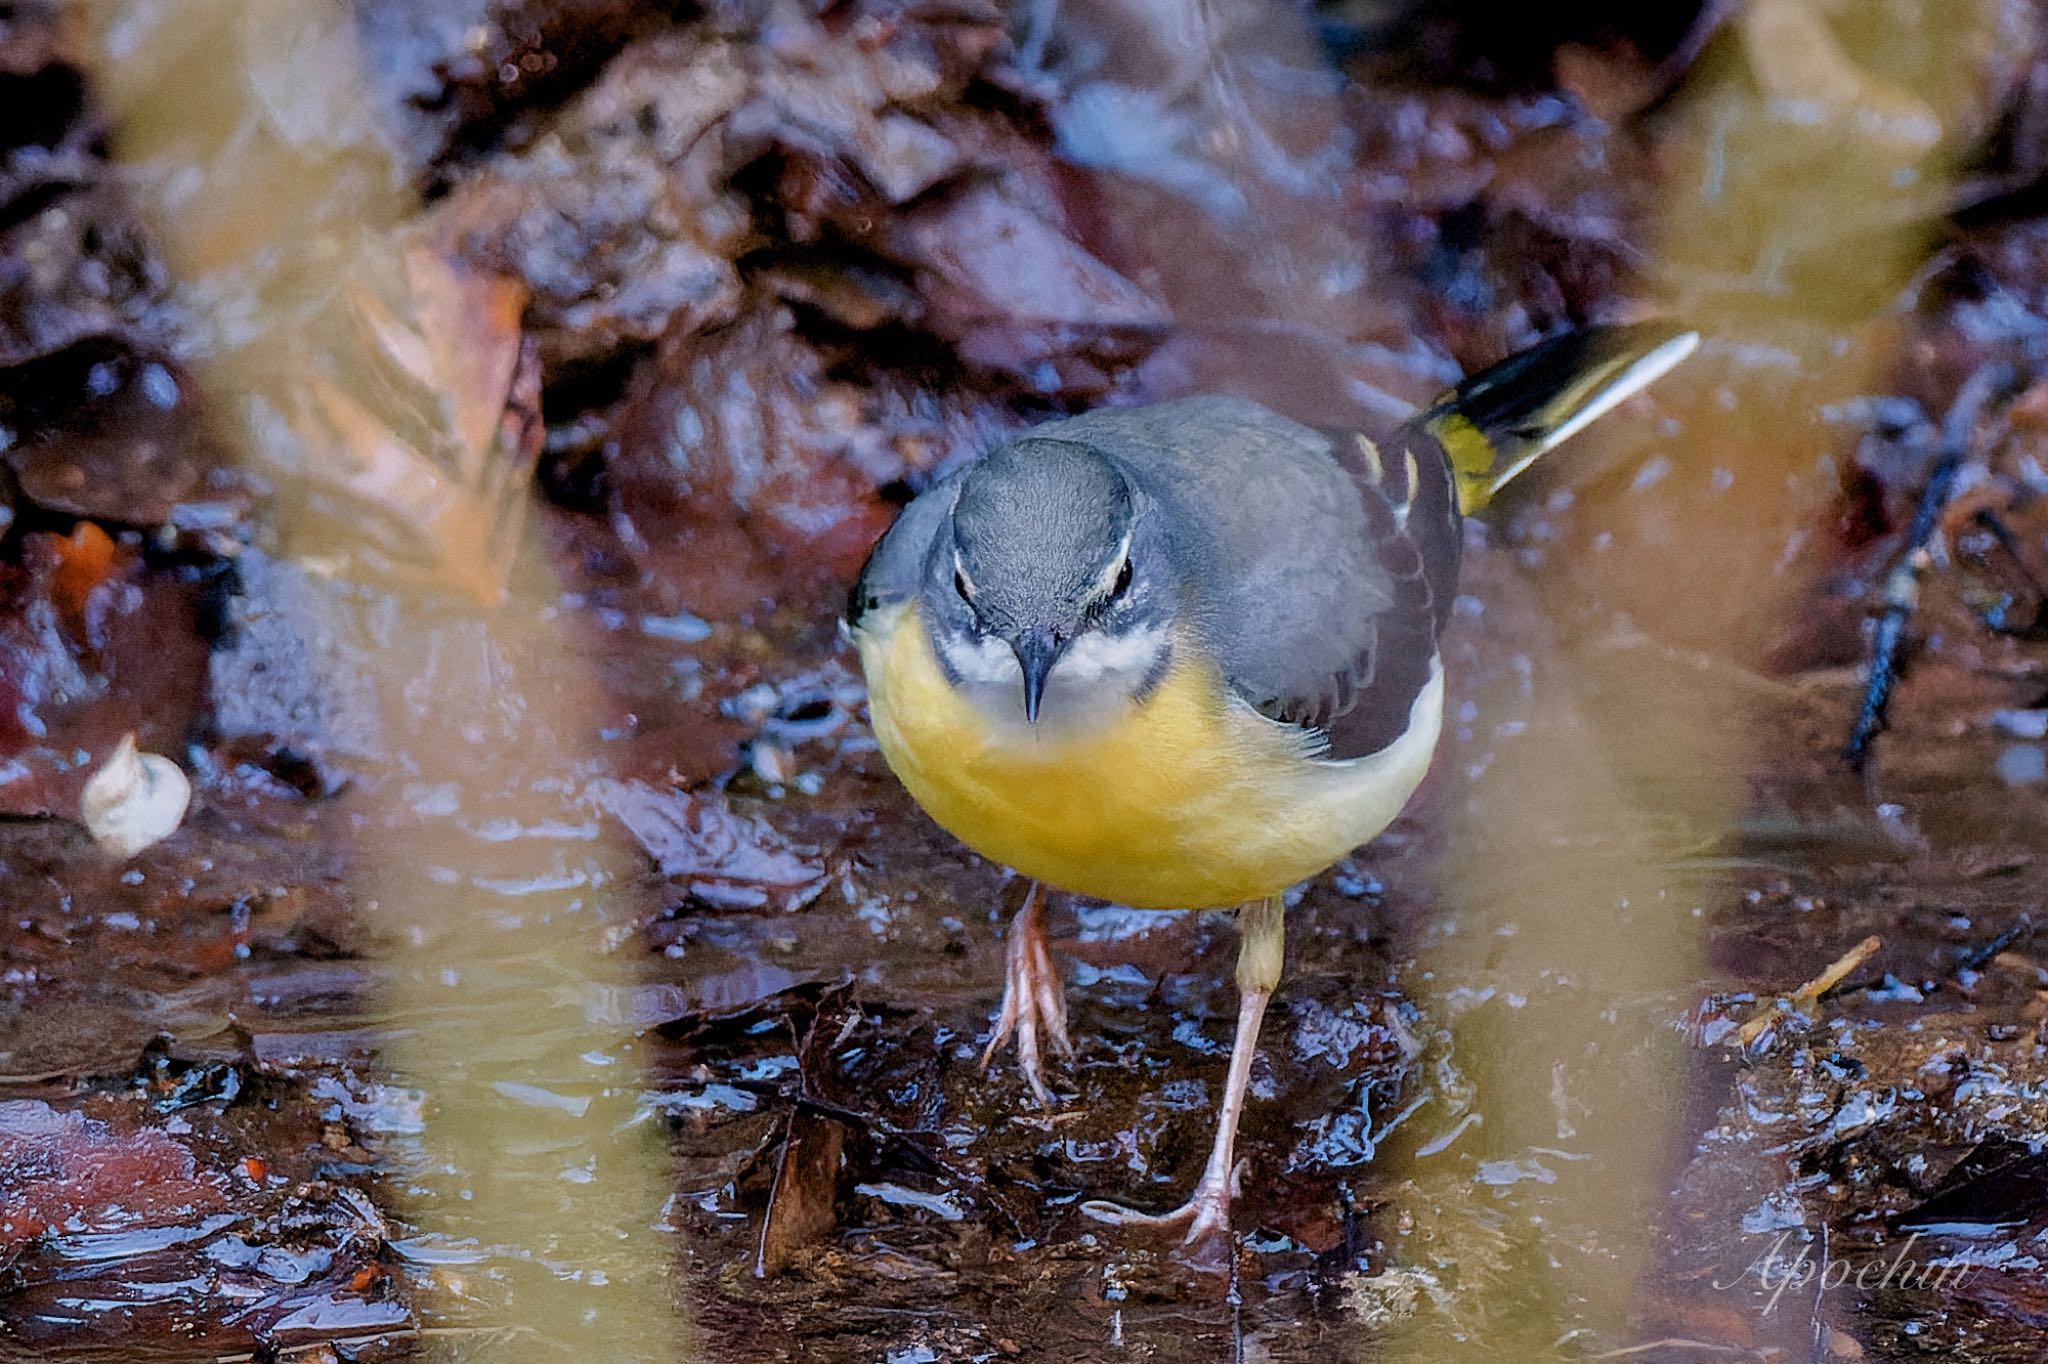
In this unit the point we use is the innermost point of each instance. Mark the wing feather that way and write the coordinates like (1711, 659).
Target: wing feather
(1319, 566)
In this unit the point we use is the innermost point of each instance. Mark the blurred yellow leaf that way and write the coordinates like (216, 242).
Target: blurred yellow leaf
(422, 447)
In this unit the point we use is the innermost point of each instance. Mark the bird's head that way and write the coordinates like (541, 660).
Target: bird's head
(1050, 590)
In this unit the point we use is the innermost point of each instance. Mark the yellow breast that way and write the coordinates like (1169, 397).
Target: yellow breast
(1186, 799)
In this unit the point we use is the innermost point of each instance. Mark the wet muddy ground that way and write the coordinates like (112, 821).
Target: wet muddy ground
(720, 287)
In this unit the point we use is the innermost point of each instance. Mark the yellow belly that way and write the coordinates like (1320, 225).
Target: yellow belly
(1188, 799)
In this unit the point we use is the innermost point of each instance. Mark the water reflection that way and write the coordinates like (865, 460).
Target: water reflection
(367, 381)
(1618, 743)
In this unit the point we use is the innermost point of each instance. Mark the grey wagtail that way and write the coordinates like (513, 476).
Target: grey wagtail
(1185, 656)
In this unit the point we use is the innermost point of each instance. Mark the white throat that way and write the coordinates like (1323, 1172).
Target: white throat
(1094, 682)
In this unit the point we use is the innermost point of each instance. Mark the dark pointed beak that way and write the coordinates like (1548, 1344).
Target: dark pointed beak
(1037, 651)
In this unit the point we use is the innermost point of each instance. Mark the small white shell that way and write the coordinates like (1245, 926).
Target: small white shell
(134, 800)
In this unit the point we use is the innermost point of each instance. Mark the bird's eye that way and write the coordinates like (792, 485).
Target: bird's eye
(1123, 580)
(960, 586)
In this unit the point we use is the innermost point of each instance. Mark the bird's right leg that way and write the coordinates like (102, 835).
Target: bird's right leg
(1033, 1002)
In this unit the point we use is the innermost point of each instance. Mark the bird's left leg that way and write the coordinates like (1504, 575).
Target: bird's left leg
(1207, 1212)
(1033, 1001)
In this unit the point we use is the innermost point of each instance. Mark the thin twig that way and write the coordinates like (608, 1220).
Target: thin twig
(1901, 598)
(2020, 928)
(1808, 994)
(1669, 1343)
(1902, 584)
(373, 1338)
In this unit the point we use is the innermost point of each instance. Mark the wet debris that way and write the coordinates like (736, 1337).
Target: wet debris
(207, 1218)
(293, 695)
(79, 271)
(834, 163)
(864, 111)
(854, 1099)
(1997, 1185)
(742, 452)
(721, 858)
(66, 1170)
(115, 503)
(97, 419)
(801, 1202)
(1012, 291)
(1871, 1130)
(617, 219)
(244, 913)
(629, 215)
(96, 641)
(115, 436)
(478, 73)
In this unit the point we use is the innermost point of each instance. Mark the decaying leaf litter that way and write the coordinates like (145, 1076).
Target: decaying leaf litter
(729, 283)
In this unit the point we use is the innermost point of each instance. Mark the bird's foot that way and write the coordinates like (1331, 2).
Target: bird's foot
(1206, 1215)
(1034, 1005)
